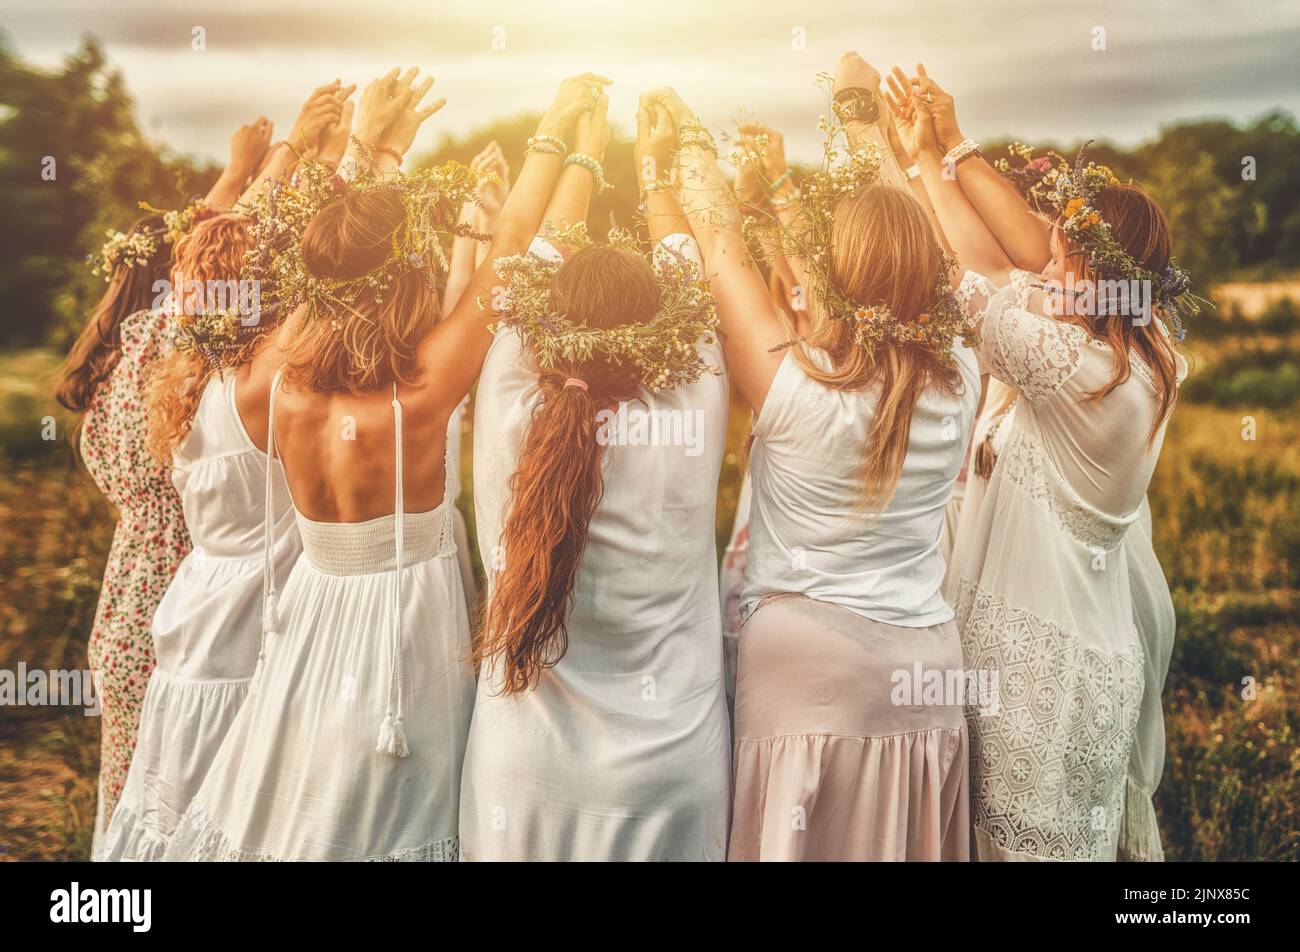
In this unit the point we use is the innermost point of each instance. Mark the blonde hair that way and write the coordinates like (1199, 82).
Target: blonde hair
(883, 252)
(213, 251)
(373, 343)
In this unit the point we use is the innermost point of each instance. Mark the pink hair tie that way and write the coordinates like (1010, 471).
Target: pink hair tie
(575, 382)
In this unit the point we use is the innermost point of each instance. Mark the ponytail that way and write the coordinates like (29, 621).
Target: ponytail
(554, 493)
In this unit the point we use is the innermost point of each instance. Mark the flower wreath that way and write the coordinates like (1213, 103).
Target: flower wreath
(663, 350)
(1023, 170)
(221, 337)
(1071, 192)
(431, 197)
(810, 239)
(138, 248)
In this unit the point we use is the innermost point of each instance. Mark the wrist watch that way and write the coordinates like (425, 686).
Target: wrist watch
(856, 104)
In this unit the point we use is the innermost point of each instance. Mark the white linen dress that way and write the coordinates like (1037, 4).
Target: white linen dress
(1043, 590)
(621, 751)
(299, 776)
(208, 625)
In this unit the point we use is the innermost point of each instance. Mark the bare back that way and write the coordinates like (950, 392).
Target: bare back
(339, 449)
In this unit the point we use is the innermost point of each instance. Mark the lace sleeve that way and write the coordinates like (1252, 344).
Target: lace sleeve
(1032, 353)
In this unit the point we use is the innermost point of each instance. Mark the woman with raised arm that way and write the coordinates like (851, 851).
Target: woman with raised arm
(350, 744)
(208, 625)
(846, 745)
(1000, 192)
(207, 628)
(1044, 590)
(600, 727)
(105, 378)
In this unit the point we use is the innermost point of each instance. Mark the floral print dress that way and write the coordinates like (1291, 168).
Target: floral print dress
(149, 543)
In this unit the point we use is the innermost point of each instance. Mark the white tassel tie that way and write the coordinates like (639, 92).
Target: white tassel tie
(392, 732)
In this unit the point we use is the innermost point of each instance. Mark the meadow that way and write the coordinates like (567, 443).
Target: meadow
(1227, 528)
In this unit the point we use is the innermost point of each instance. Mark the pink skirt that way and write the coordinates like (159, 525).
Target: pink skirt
(850, 738)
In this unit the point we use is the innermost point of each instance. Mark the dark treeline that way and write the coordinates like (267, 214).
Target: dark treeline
(81, 116)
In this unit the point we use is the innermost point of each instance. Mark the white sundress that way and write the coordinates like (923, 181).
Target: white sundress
(362, 649)
(1043, 590)
(621, 752)
(208, 625)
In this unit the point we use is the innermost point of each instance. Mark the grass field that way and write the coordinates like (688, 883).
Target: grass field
(1227, 528)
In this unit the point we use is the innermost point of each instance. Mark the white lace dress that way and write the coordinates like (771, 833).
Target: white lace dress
(1043, 592)
(208, 625)
(360, 646)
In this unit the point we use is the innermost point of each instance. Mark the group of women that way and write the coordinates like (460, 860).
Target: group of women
(286, 611)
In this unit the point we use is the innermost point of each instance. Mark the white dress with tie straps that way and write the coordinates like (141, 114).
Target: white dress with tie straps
(351, 742)
(208, 625)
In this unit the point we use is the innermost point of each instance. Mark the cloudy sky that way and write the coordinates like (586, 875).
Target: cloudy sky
(1025, 69)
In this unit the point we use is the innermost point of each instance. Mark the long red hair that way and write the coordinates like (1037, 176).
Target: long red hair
(558, 484)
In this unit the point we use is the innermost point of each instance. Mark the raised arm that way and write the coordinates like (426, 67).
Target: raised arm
(751, 327)
(247, 148)
(582, 171)
(324, 107)
(1023, 235)
(970, 238)
(480, 216)
(458, 345)
(656, 140)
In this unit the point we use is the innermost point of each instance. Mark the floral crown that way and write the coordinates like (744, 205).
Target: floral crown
(431, 197)
(221, 337)
(1071, 191)
(821, 190)
(1023, 170)
(136, 249)
(663, 350)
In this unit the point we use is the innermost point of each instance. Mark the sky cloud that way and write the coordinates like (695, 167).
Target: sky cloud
(1017, 68)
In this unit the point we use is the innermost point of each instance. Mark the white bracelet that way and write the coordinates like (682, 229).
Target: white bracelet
(913, 171)
(964, 148)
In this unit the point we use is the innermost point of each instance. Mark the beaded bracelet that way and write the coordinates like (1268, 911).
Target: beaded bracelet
(962, 150)
(658, 185)
(780, 204)
(780, 180)
(549, 145)
(693, 133)
(591, 165)
(391, 152)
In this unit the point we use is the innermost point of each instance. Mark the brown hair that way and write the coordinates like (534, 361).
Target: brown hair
(1140, 227)
(374, 342)
(213, 250)
(883, 251)
(94, 353)
(558, 485)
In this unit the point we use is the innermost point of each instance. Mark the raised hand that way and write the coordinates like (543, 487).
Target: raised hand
(939, 104)
(671, 101)
(656, 140)
(915, 127)
(410, 114)
(492, 161)
(577, 94)
(591, 131)
(334, 139)
(248, 146)
(378, 106)
(853, 72)
(322, 108)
